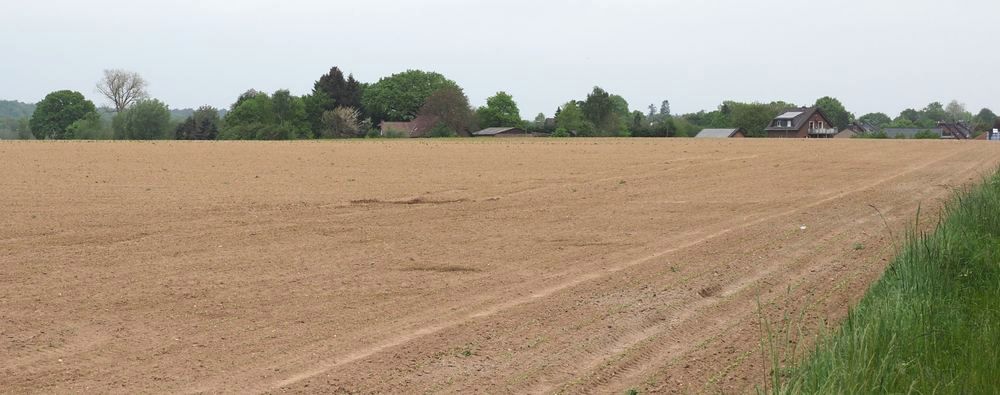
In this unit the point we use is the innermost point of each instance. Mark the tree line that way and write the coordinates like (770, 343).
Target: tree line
(340, 106)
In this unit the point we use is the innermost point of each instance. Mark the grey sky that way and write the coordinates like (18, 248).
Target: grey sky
(873, 55)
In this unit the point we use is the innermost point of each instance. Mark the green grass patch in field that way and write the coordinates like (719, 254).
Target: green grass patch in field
(931, 325)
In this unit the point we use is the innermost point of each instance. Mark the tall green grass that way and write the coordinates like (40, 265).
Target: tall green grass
(932, 323)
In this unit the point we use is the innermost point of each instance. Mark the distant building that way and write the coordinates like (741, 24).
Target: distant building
(955, 130)
(721, 133)
(501, 132)
(804, 122)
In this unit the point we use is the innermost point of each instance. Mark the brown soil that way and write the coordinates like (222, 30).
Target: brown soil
(513, 266)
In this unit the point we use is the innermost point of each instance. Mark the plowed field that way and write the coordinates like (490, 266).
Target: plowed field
(494, 266)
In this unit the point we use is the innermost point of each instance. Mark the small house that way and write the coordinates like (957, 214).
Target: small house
(721, 133)
(501, 132)
(804, 122)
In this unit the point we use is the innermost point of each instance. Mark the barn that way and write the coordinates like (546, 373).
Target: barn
(721, 133)
(501, 132)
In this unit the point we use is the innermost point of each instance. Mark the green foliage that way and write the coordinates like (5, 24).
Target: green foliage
(90, 127)
(607, 113)
(447, 108)
(926, 134)
(442, 130)
(330, 92)
(754, 117)
(258, 116)
(54, 114)
(873, 135)
(15, 110)
(876, 119)
(571, 119)
(15, 129)
(203, 124)
(560, 132)
(929, 325)
(500, 111)
(144, 120)
(984, 120)
(400, 96)
(834, 111)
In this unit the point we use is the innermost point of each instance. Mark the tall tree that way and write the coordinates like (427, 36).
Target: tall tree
(876, 119)
(400, 96)
(57, 111)
(601, 110)
(146, 120)
(984, 120)
(956, 112)
(665, 108)
(935, 112)
(448, 110)
(835, 111)
(122, 88)
(652, 112)
(500, 111)
(256, 115)
(571, 118)
(202, 125)
(343, 92)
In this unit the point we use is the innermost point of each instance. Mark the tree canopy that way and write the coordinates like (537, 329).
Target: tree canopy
(257, 115)
(145, 120)
(876, 119)
(570, 118)
(203, 124)
(447, 112)
(500, 111)
(834, 111)
(400, 96)
(57, 111)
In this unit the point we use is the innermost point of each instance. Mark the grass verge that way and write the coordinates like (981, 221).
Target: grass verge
(932, 323)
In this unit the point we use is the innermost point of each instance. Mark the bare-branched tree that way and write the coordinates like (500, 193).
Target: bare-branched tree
(122, 87)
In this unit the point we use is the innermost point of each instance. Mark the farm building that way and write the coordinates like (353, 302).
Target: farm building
(721, 133)
(955, 130)
(854, 129)
(804, 122)
(501, 132)
(909, 133)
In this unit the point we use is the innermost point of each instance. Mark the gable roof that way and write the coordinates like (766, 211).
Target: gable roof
(496, 131)
(717, 133)
(958, 130)
(798, 116)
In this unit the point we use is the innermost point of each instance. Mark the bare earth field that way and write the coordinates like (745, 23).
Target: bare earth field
(492, 266)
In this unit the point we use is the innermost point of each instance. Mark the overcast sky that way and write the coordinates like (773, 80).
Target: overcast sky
(873, 55)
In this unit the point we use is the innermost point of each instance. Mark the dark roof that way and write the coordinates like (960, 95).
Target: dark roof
(910, 132)
(798, 116)
(861, 127)
(717, 133)
(496, 131)
(958, 130)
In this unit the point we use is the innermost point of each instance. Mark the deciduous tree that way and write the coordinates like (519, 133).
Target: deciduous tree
(876, 119)
(202, 125)
(834, 111)
(500, 111)
(400, 96)
(122, 88)
(57, 111)
(145, 120)
(447, 109)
